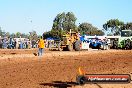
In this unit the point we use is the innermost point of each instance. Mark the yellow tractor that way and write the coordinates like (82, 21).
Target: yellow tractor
(71, 41)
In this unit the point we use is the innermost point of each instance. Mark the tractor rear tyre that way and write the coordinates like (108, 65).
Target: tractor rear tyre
(78, 45)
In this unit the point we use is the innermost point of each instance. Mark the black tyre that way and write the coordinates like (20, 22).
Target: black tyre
(128, 44)
(70, 47)
(115, 44)
(80, 80)
(78, 45)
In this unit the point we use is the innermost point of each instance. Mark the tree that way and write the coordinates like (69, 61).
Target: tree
(0, 32)
(7, 34)
(47, 35)
(127, 26)
(58, 21)
(13, 35)
(69, 22)
(114, 26)
(87, 28)
(33, 36)
(24, 35)
(62, 23)
(18, 35)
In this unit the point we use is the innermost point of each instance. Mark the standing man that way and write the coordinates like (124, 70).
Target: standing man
(105, 43)
(41, 46)
(15, 43)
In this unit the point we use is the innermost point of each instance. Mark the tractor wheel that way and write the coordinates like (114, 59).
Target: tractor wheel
(115, 44)
(80, 80)
(78, 45)
(59, 47)
(128, 44)
(70, 47)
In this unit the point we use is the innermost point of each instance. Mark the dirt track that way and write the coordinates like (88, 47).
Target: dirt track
(22, 69)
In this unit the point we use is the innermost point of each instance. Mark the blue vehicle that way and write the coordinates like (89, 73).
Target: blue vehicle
(96, 43)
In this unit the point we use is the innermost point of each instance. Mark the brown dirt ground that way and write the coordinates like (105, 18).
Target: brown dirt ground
(22, 69)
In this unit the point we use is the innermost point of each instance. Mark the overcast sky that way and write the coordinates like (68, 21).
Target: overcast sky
(27, 15)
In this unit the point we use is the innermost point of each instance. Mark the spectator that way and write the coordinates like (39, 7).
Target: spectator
(105, 43)
(15, 43)
(1, 43)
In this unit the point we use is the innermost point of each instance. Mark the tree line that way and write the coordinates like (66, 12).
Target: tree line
(63, 22)
(114, 26)
(31, 35)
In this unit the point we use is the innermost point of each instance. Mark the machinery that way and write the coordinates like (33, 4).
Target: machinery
(125, 41)
(98, 43)
(70, 41)
(95, 43)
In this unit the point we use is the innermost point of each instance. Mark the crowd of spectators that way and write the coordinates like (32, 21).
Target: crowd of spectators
(17, 43)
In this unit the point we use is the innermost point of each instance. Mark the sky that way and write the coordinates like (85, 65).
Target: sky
(28, 15)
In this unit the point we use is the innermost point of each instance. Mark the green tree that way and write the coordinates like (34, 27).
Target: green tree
(114, 26)
(1, 32)
(62, 23)
(127, 26)
(7, 34)
(58, 21)
(24, 35)
(13, 35)
(18, 35)
(87, 28)
(69, 22)
(33, 36)
(27, 36)
(47, 35)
